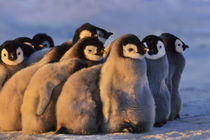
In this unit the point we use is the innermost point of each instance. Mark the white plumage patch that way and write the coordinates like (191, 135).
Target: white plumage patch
(131, 50)
(29, 44)
(91, 53)
(85, 33)
(101, 36)
(5, 57)
(179, 46)
(161, 51)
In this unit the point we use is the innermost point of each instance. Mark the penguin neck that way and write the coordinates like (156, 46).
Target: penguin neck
(175, 59)
(157, 71)
(12, 69)
(127, 68)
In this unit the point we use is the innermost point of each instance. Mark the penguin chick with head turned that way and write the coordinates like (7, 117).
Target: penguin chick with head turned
(11, 95)
(28, 44)
(127, 102)
(174, 50)
(43, 40)
(12, 59)
(38, 108)
(157, 72)
(89, 30)
(45, 44)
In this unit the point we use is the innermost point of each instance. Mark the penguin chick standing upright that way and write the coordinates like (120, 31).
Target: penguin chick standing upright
(174, 50)
(157, 72)
(11, 95)
(38, 108)
(89, 30)
(12, 59)
(127, 101)
(45, 44)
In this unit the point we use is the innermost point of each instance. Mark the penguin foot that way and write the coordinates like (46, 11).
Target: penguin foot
(130, 128)
(158, 124)
(62, 130)
(177, 117)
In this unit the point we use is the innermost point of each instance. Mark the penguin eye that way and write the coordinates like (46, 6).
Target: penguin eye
(19, 53)
(130, 49)
(160, 44)
(90, 49)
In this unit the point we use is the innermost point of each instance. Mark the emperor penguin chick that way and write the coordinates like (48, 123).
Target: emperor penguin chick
(38, 108)
(12, 59)
(11, 95)
(78, 109)
(174, 50)
(127, 101)
(157, 72)
(45, 44)
(89, 30)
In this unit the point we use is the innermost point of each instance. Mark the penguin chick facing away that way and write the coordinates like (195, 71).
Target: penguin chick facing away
(45, 44)
(174, 50)
(127, 102)
(157, 72)
(28, 44)
(12, 59)
(89, 30)
(38, 108)
(11, 95)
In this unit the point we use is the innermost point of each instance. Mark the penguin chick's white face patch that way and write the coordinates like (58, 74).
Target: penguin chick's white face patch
(84, 33)
(131, 50)
(101, 36)
(29, 44)
(45, 44)
(91, 53)
(179, 46)
(161, 51)
(5, 57)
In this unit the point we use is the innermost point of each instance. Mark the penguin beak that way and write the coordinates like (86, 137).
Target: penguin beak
(110, 33)
(41, 46)
(185, 47)
(101, 52)
(95, 35)
(146, 49)
(12, 57)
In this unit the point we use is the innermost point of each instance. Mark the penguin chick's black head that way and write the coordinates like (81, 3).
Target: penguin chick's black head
(43, 40)
(89, 30)
(151, 42)
(173, 43)
(132, 47)
(11, 52)
(28, 45)
(91, 49)
(155, 45)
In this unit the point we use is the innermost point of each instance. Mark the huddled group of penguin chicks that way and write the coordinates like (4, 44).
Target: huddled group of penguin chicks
(82, 87)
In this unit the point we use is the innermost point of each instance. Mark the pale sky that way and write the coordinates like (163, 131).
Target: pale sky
(141, 17)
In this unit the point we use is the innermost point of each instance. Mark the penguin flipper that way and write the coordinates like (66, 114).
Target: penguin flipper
(54, 74)
(3, 76)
